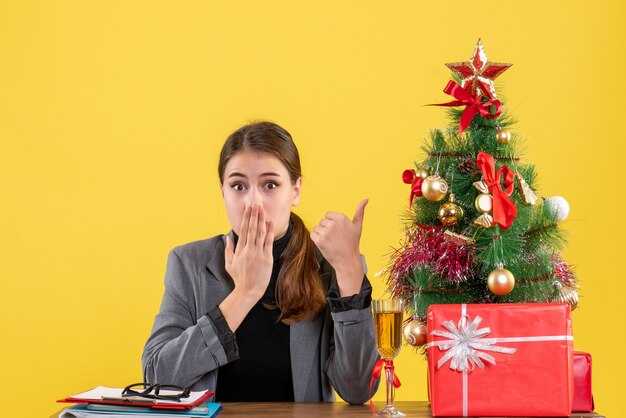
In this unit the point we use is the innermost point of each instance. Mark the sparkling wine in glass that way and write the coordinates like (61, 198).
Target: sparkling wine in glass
(388, 327)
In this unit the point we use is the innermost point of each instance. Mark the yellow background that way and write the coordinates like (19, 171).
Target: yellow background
(112, 114)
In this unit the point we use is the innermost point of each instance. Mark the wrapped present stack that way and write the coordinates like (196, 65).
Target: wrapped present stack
(488, 294)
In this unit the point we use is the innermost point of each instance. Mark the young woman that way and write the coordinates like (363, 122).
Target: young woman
(268, 312)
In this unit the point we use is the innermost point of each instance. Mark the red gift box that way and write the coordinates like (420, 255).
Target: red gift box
(583, 396)
(500, 359)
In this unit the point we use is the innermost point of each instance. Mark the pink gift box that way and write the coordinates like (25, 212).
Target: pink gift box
(583, 396)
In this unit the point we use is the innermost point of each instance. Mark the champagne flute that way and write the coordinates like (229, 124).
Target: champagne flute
(388, 327)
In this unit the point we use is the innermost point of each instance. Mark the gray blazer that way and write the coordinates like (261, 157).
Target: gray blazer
(335, 349)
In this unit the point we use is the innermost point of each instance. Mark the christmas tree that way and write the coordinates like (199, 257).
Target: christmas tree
(476, 232)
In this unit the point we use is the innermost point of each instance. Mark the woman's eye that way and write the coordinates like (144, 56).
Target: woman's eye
(271, 185)
(238, 187)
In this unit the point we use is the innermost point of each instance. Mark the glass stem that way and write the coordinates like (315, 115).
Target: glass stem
(389, 377)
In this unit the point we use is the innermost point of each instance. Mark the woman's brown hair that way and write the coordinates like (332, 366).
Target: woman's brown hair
(299, 293)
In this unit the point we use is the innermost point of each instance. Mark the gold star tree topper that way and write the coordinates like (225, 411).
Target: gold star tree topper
(478, 74)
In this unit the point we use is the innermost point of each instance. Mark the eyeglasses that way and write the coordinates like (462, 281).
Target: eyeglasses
(152, 391)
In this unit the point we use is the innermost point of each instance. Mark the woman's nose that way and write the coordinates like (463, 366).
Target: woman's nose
(254, 197)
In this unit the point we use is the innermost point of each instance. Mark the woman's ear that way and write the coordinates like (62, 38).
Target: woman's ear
(297, 188)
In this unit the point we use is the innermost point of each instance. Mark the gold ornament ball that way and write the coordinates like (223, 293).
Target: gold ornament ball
(450, 213)
(434, 188)
(501, 282)
(422, 173)
(503, 136)
(415, 333)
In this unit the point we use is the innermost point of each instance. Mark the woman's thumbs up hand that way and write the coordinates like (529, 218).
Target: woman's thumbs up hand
(338, 239)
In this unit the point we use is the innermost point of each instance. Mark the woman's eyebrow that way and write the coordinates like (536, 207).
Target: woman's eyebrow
(237, 174)
(267, 174)
(270, 174)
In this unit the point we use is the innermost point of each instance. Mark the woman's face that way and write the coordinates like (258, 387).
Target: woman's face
(257, 177)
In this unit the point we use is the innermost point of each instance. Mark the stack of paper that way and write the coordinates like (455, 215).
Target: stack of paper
(104, 402)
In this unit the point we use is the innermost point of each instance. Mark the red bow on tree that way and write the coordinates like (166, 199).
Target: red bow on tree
(410, 177)
(504, 210)
(474, 105)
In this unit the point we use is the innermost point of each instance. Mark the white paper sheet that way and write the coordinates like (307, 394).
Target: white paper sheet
(105, 392)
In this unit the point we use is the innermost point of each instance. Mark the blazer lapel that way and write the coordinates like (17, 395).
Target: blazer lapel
(304, 345)
(221, 283)
(304, 341)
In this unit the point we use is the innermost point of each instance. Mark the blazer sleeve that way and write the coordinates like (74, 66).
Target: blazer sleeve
(181, 348)
(353, 353)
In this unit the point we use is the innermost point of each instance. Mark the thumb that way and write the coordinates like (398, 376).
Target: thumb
(228, 252)
(360, 212)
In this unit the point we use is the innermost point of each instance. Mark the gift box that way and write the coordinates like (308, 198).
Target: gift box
(583, 396)
(500, 360)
